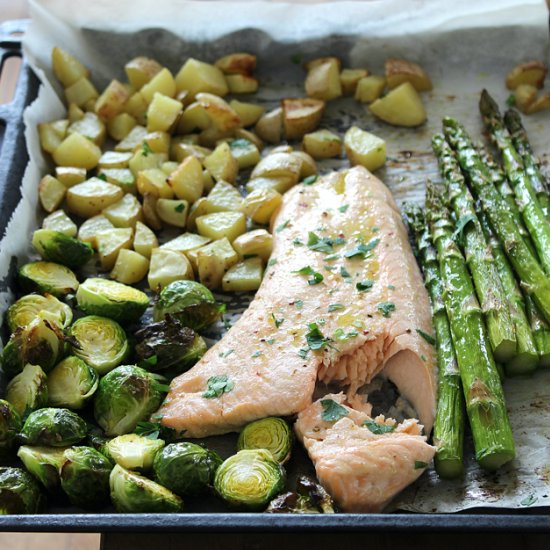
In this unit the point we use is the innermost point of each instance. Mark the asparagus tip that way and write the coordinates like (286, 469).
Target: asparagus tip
(487, 105)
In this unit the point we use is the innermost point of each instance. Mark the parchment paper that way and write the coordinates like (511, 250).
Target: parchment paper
(464, 46)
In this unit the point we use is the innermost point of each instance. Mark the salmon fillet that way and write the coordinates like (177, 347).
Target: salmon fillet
(365, 315)
(360, 469)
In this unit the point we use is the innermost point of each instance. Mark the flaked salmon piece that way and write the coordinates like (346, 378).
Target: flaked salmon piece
(360, 469)
(365, 316)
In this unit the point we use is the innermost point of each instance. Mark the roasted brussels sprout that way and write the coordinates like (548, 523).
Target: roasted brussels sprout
(19, 492)
(43, 463)
(186, 468)
(53, 427)
(131, 492)
(133, 451)
(50, 277)
(41, 343)
(97, 439)
(126, 395)
(122, 303)
(71, 383)
(27, 308)
(309, 498)
(28, 391)
(168, 345)
(272, 433)
(55, 246)
(190, 302)
(10, 424)
(99, 341)
(250, 479)
(84, 476)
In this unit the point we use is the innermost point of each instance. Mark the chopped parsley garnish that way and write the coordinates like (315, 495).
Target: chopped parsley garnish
(341, 335)
(329, 267)
(270, 341)
(332, 411)
(511, 100)
(153, 430)
(343, 208)
(310, 180)
(529, 500)
(430, 339)
(180, 207)
(391, 287)
(148, 362)
(256, 354)
(303, 352)
(375, 229)
(315, 338)
(423, 357)
(279, 228)
(277, 322)
(218, 385)
(298, 304)
(335, 307)
(345, 273)
(315, 278)
(102, 177)
(145, 149)
(419, 465)
(319, 244)
(378, 429)
(297, 242)
(363, 286)
(386, 308)
(240, 144)
(271, 262)
(226, 353)
(332, 257)
(362, 250)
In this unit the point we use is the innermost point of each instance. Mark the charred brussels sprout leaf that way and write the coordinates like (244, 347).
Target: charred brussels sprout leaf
(10, 424)
(19, 492)
(50, 277)
(186, 468)
(250, 479)
(96, 438)
(133, 452)
(99, 341)
(29, 307)
(190, 302)
(112, 299)
(71, 383)
(126, 396)
(55, 246)
(43, 463)
(28, 391)
(168, 345)
(133, 493)
(273, 434)
(85, 477)
(53, 427)
(309, 498)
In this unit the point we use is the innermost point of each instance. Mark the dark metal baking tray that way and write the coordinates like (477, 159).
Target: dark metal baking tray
(13, 160)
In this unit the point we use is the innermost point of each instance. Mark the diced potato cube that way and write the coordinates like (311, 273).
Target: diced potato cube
(532, 73)
(163, 83)
(245, 153)
(524, 96)
(136, 106)
(124, 213)
(132, 140)
(122, 177)
(219, 112)
(213, 260)
(59, 221)
(169, 167)
(110, 242)
(212, 136)
(89, 230)
(112, 100)
(207, 181)
(162, 113)
(349, 79)
(157, 142)
(222, 224)
(270, 126)
(261, 203)
(246, 276)
(249, 113)
(76, 150)
(241, 84)
(309, 167)
(144, 240)
(51, 135)
(323, 80)
(541, 103)
(280, 184)
(399, 71)
(187, 180)
(199, 208)
(237, 63)
(221, 164)
(150, 215)
(120, 126)
(224, 197)
(166, 267)
(278, 165)
(90, 197)
(153, 181)
(283, 148)
(323, 144)
(130, 267)
(365, 149)
(401, 106)
(141, 70)
(301, 116)
(370, 88)
(196, 76)
(186, 242)
(67, 68)
(91, 127)
(74, 112)
(173, 211)
(81, 92)
(254, 243)
(193, 117)
(51, 193)
(70, 175)
(311, 64)
(180, 151)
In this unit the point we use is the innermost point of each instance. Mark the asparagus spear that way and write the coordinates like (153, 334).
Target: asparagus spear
(484, 397)
(532, 166)
(526, 198)
(525, 264)
(448, 434)
(479, 257)
(541, 331)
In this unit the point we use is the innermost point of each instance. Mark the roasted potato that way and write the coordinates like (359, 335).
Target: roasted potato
(196, 76)
(399, 71)
(67, 68)
(322, 144)
(76, 150)
(141, 70)
(365, 149)
(301, 116)
(245, 276)
(323, 80)
(402, 106)
(270, 126)
(532, 73)
(370, 88)
(111, 102)
(130, 267)
(167, 266)
(349, 79)
(237, 63)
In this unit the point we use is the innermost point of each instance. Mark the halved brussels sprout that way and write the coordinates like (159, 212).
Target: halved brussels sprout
(99, 341)
(168, 345)
(309, 498)
(126, 396)
(122, 303)
(186, 468)
(273, 434)
(133, 451)
(28, 391)
(133, 493)
(10, 424)
(19, 492)
(50, 277)
(189, 302)
(53, 427)
(250, 479)
(27, 308)
(41, 342)
(71, 383)
(55, 246)
(84, 477)
(43, 463)
(97, 439)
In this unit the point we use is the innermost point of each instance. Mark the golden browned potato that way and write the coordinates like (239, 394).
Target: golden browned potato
(110, 242)
(59, 221)
(124, 213)
(309, 167)
(249, 113)
(237, 63)
(141, 70)
(153, 182)
(150, 215)
(524, 97)
(349, 79)
(70, 175)
(540, 104)
(51, 134)
(246, 276)
(301, 116)
(365, 149)
(254, 243)
(111, 102)
(81, 93)
(130, 267)
(90, 229)
(245, 152)
(323, 80)
(67, 68)
(370, 88)
(401, 106)
(144, 240)
(260, 204)
(400, 70)
(76, 150)
(221, 164)
(163, 83)
(320, 61)
(91, 127)
(90, 197)
(120, 126)
(173, 211)
(223, 198)
(276, 165)
(162, 113)
(221, 224)
(167, 266)
(219, 112)
(187, 181)
(532, 73)
(241, 84)
(196, 76)
(136, 106)
(322, 144)
(270, 126)
(51, 193)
